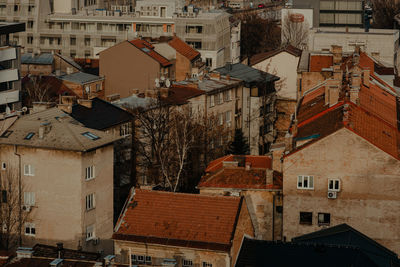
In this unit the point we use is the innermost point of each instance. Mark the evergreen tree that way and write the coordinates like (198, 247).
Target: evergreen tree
(239, 145)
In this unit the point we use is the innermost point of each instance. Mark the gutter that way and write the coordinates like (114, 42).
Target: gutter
(19, 195)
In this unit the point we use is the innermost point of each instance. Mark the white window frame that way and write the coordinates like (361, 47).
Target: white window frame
(212, 101)
(302, 178)
(206, 264)
(228, 116)
(30, 226)
(90, 232)
(29, 198)
(187, 263)
(90, 202)
(221, 98)
(90, 173)
(221, 119)
(332, 185)
(3, 166)
(29, 170)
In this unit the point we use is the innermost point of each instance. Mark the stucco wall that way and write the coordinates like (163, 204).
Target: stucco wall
(368, 200)
(183, 67)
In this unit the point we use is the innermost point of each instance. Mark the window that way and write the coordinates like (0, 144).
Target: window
(324, 219)
(91, 136)
(87, 41)
(3, 196)
(194, 44)
(334, 185)
(206, 264)
(98, 87)
(227, 95)
(212, 100)
(30, 229)
(138, 259)
(90, 202)
(30, 24)
(29, 39)
(3, 165)
(29, 170)
(228, 116)
(29, 198)
(90, 232)
(305, 182)
(148, 259)
(209, 62)
(220, 98)
(187, 263)
(6, 134)
(124, 129)
(89, 174)
(221, 118)
(306, 218)
(73, 41)
(29, 136)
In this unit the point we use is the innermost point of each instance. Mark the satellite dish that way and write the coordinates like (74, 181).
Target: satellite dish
(8, 110)
(162, 78)
(157, 81)
(167, 83)
(87, 89)
(24, 109)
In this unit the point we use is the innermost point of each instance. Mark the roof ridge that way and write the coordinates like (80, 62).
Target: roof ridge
(65, 125)
(186, 194)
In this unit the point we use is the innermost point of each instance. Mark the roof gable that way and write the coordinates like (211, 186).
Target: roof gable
(184, 49)
(148, 49)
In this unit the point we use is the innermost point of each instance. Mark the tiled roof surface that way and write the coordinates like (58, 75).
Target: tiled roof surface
(184, 49)
(241, 178)
(179, 94)
(42, 59)
(256, 162)
(179, 219)
(263, 56)
(80, 77)
(148, 48)
(318, 62)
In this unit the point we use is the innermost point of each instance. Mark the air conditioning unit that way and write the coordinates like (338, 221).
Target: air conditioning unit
(95, 241)
(332, 194)
(26, 208)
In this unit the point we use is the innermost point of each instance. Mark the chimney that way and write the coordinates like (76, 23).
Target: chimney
(354, 95)
(248, 166)
(60, 250)
(228, 66)
(56, 263)
(289, 144)
(164, 92)
(85, 102)
(215, 75)
(40, 106)
(337, 52)
(269, 177)
(65, 107)
(108, 260)
(332, 88)
(44, 128)
(365, 75)
(24, 252)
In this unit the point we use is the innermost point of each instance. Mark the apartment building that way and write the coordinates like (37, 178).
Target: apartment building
(10, 64)
(342, 163)
(66, 174)
(83, 31)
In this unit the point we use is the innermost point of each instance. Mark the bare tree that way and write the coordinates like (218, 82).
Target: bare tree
(295, 32)
(384, 12)
(38, 89)
(12, 214)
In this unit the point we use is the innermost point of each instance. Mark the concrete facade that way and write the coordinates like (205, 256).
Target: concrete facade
(369, 182)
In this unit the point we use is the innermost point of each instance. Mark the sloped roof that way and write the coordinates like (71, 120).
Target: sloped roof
(255, 161)
(179, 94)
(102, 115)
(65, 132)
(177, 219)
(319, 62)
(184, 49)
(258, 253)
(148, 49)
(80, 77)
(345, 235)
(263, 56)
(247, 74)
(42, 59)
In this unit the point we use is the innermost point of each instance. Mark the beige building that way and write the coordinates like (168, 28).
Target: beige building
(67, 175)
(342, 165)
(253, 178)
(162, 228)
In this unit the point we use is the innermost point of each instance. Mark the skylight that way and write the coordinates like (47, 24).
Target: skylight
(6, 134)
(90, 135)
(29, 136)
(145, 49)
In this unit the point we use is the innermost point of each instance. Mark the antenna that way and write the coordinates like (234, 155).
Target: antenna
(24, 109)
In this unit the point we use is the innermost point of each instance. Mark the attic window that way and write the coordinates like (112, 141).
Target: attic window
(144, 49)
(91, 136)
(6, 134)
(29, 136)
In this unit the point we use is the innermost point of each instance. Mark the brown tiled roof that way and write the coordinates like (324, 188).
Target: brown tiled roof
(179, 94)
(148, 48)
(263, 56)
(184, 49)
(318, 62)
(177, 219)
(255, 161)
(239, 177)
(40, 262)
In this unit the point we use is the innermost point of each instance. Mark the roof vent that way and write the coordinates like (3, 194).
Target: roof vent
(56, 263)
(23, 252)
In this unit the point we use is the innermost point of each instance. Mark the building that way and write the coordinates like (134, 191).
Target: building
(84, 85)
(74, 164)
(10, 59)
(253, 178)
(181, 229)
(282, 63)
(132, 66)
(83, 29)
(258, 103)
(345, 235)
(342, 161)
(334, 13)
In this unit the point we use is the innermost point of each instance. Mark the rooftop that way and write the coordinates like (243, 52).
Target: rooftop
(209, 83)
(148, 48)
(179, 94)
(177, 219)
(263, 56)
(264, 162)
(11, 27)
(184, 49)
(80, 77)
(41, 59)
(61, 132)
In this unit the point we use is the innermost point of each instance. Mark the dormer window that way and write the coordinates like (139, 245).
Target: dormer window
(29, 136)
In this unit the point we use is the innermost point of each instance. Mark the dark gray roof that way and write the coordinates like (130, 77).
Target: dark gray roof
(42, 59)
(70, 61)
(11, 27)
(249, 75)
(80, 77)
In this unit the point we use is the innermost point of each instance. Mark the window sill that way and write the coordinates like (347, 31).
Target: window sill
(301, 188)
(87, 210)
(89, 179)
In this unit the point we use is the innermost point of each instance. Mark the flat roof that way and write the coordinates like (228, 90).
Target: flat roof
(11, 27)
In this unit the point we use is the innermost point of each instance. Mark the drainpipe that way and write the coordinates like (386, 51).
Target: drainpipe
(273, 217)
(19, 196)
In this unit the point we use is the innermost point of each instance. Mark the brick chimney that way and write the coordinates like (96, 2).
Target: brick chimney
(269, 177)
(332, 89)
(85, 102)
(337, 52)
(366, 75)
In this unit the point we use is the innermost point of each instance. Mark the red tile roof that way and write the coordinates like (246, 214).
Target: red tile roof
(184, 49)
(178, 219)
(255, 161)
(232, 177)
(148, 48)
(319, 62)
(179, 94)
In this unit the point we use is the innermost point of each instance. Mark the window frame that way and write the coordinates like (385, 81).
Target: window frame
(30, 226)
(187, 263)
(90, 229)
(3, 165)
(90, 173)
(206, 264)
(29, 199)
(309, 213)
(334, 189)
(90, 202)
(325, 216)
(308, 182)
(31, 170)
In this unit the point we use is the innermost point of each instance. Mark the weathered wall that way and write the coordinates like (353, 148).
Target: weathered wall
(183, 67)
(34, 69)
(368, 200)
(309, 80)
